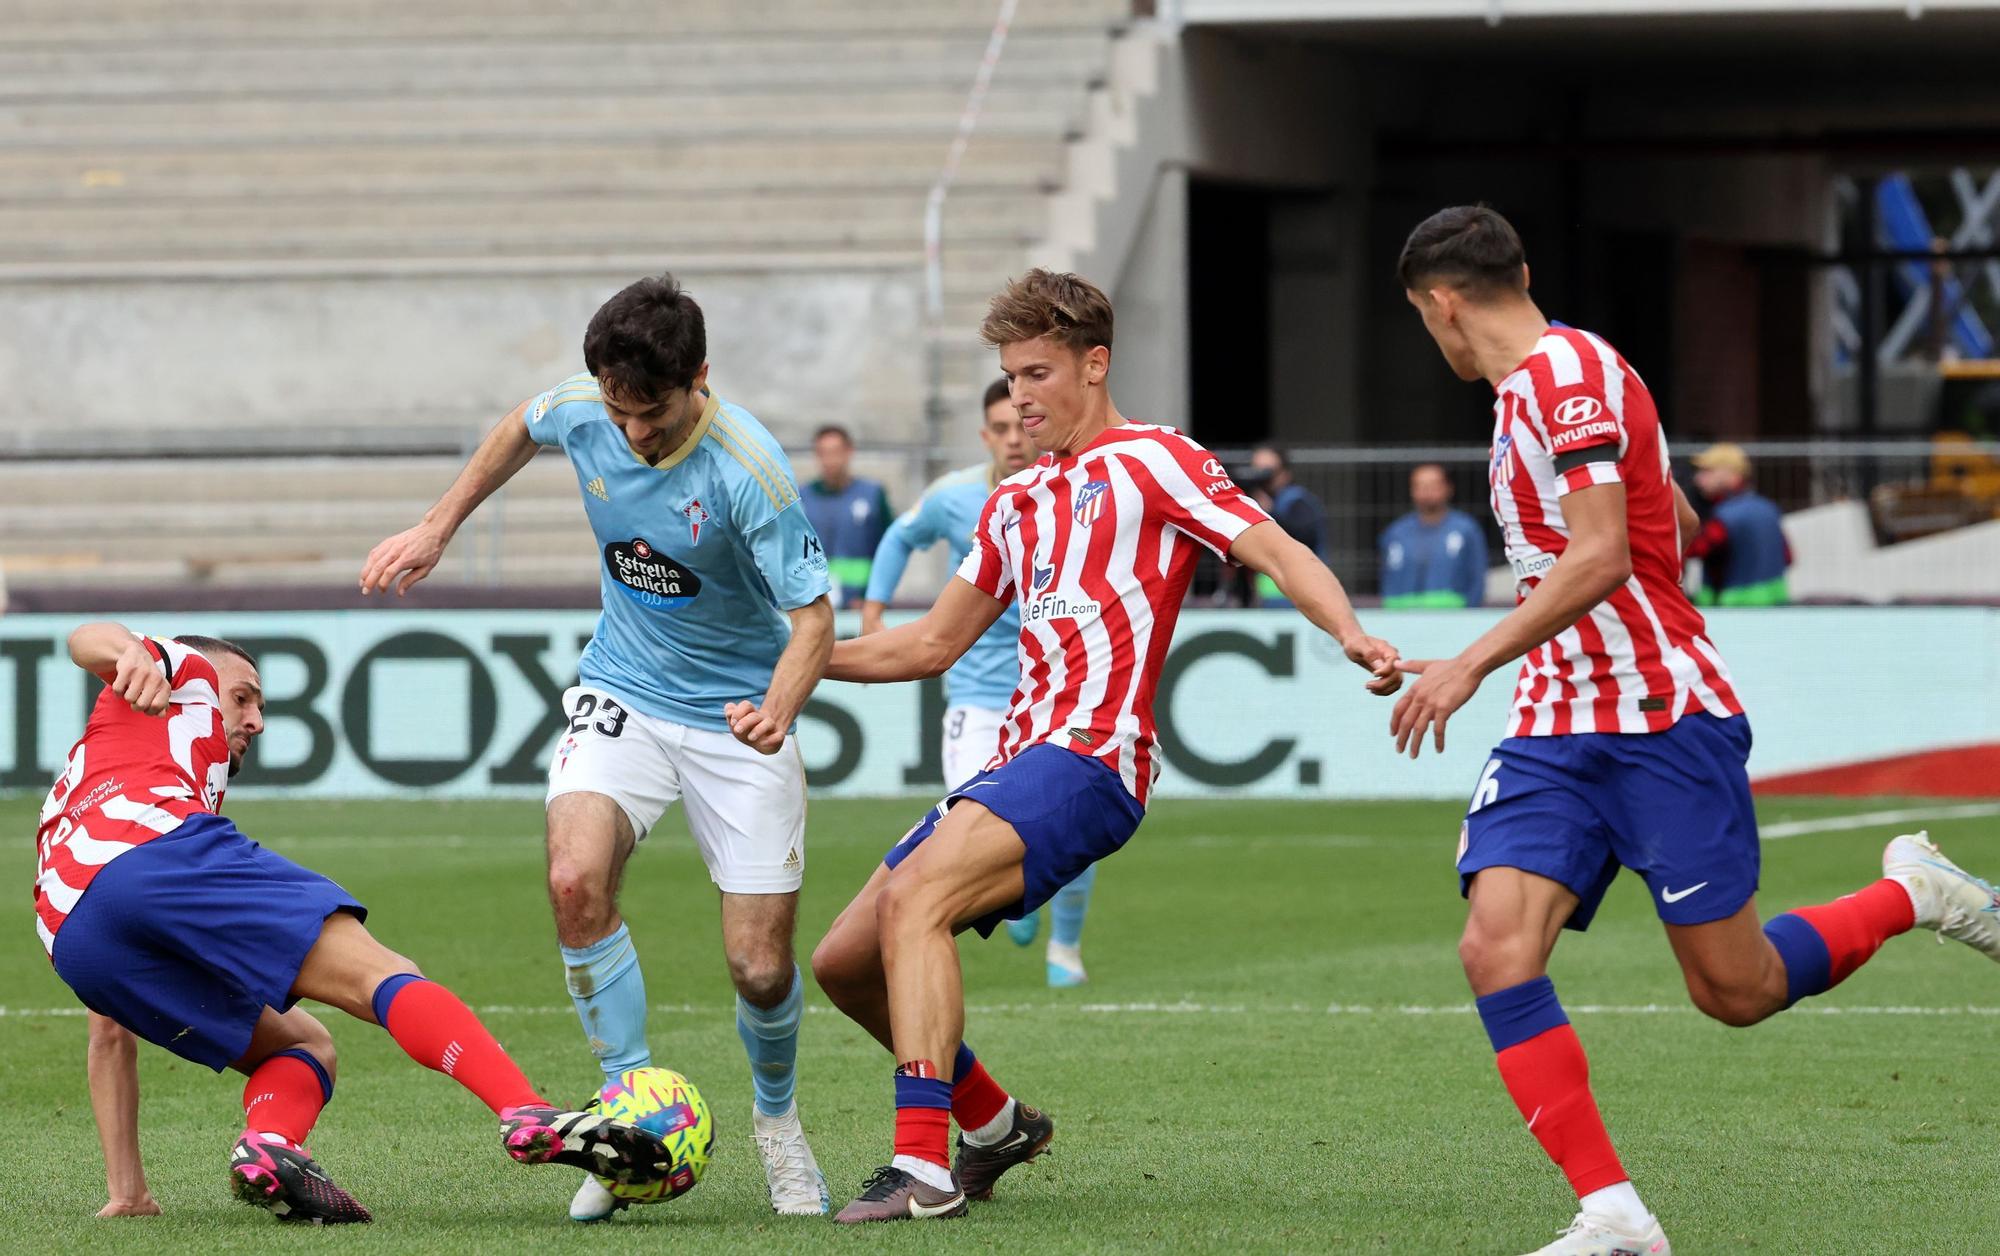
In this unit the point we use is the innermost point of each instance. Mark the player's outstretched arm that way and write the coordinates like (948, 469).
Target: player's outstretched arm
(1597, 561)
(798, 669)
(926, 646)
(1311, 586)
(113, 654)
(410, 555)
(113, 1066)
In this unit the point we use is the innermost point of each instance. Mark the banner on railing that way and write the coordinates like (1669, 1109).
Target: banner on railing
(466, 703)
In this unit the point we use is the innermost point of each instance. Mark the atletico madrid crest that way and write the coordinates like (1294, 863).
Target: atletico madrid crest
(1090, 500)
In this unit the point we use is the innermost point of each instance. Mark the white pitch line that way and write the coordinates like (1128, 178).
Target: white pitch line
(1869, 819)
(1189, 1008)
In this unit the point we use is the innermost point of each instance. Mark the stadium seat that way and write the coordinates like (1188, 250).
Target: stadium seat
(304, 148)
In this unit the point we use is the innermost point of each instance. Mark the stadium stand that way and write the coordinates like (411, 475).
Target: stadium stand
(215, 213)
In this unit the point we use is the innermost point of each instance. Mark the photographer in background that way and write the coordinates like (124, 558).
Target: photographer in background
(1291, 504)
(1435, 556)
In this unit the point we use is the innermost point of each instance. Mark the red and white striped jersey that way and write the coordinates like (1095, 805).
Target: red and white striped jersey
(129, 779)
(1640, 659)
(1098, 547)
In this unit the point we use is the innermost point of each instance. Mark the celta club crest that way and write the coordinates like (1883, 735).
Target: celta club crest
(696, 516)
(1090, 500)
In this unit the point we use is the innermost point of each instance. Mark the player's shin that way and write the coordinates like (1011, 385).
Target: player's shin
(984, 1112)
(771, 1039)
(1822, 946)
(1548, 1077)
(438, 1031)
(610, 996)
(285, 1094)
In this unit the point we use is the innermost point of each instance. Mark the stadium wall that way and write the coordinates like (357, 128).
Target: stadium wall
(1890, 700)
(248, 358)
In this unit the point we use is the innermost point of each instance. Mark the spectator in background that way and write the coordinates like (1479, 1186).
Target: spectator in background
(1294, 507)
(1742, 547)
(1434, 556)
(849, 513)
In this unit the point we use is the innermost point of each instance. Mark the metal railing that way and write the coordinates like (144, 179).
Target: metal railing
(1366, 489)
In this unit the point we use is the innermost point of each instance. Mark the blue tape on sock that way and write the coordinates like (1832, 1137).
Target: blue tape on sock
(962, 1063)
(1808, 964)
(385, 995)
(312, 1062)
(1518, 1013)
(922, 1092)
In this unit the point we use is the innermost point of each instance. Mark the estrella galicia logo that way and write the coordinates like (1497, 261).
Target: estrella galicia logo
(1090, 501)
(649, 577)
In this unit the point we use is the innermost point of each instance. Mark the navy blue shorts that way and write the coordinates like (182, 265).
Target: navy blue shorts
(1070, 810)
(188, 938)
(1673, 806)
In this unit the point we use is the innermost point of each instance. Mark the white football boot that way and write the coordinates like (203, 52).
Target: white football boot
(593, 1202)
(1591, 1235)
(798, 1188)
(1947, 897)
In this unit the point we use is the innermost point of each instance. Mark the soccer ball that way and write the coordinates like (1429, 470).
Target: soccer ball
(661, 1100)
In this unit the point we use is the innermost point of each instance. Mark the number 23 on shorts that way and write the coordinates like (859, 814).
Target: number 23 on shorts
(611, 721)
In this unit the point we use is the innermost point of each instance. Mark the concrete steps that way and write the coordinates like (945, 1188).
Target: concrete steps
(226, 21)
(806, 220)
(722, 64)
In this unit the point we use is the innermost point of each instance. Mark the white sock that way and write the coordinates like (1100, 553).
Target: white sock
(928, 1172)
(1070, 957)
(994, 1130)
(1618, 1203)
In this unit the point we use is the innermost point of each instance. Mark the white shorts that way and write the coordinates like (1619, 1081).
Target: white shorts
(971, 738)
(747, 810)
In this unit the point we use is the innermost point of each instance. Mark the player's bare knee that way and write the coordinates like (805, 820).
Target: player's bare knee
(1738, 1006)
(833, 967)
(763, 979)
(581, 897)
(907, 904)
(1494, 960)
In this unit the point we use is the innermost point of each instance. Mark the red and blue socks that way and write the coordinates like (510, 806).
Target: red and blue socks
(923, 1120)
(982, 1109)
(1548, 1076)
(1822, 946)
(439, 1032)
(284, 1095)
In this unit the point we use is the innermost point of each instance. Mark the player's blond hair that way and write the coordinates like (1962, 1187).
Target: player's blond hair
(1068, 309)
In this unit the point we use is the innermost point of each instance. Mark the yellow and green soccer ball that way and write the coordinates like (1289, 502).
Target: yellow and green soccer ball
(661, 1100)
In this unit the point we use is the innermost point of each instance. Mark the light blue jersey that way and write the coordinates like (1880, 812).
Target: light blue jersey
(948, 511)
(702, 555)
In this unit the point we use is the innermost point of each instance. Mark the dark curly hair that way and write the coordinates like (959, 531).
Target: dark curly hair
(647, 341)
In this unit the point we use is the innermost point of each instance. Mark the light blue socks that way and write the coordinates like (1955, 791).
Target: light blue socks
(610, 996)
(771, 1040)
(1067, 908)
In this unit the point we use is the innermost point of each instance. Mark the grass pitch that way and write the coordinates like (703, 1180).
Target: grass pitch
(1276, 1052)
